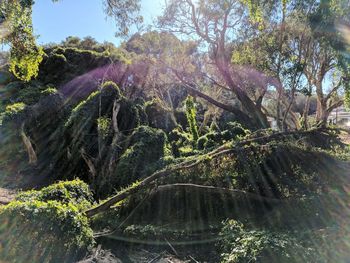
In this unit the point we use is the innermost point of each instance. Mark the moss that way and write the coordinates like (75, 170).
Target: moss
(38, 231)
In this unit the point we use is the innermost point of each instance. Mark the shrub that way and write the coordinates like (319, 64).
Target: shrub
(76, 192)
(242, 245)
(36, 231)
(143, 156)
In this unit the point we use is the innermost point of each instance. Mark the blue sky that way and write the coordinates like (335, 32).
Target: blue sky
(53, 22)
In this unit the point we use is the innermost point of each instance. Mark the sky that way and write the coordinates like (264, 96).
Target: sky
(53, 22)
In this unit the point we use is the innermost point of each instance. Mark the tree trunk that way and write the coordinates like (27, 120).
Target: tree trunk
(258, 116)
(306, 113)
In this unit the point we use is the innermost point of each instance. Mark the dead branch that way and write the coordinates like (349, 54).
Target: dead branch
(89, 163)
(29, 147)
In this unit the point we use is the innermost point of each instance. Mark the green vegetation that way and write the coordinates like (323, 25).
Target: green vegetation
(231, 140)
(47, 225)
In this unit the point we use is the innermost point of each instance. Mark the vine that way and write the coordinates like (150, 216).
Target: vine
(191, 117)
(25, 55)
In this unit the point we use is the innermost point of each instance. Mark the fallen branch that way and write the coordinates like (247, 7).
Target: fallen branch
(219, 190)
(196, 160)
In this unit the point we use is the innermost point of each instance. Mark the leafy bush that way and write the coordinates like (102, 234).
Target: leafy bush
(36, 231)
(179, 140)
(147, 146)
(242, 245)
(63, 64)
(76, 192)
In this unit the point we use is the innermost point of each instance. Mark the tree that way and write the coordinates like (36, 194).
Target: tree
(25, 56)
(297, 42)
(17, 31)
(213, 23)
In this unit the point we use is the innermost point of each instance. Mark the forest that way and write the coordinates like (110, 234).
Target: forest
(213, 135)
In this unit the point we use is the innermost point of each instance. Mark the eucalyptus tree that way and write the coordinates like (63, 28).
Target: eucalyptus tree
(310, 30)
(214, 24)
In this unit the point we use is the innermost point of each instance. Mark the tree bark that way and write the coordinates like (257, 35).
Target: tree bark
(29, 147)
(258, 116)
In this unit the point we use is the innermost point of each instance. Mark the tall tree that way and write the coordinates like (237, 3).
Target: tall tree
(214, 24)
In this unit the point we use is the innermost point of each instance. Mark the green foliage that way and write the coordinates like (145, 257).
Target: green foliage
(103, 126)
(25, 56)
(242, 245)
(12, 112)
(88, 110)
(15, 108)
(191, 117)
(233, 131)
(180, 140)
(147, 146)
(347, 96)
(75, 192)
(61, 64)
(37, 231)
(26, 66)
(28, 93)
(49, 91)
